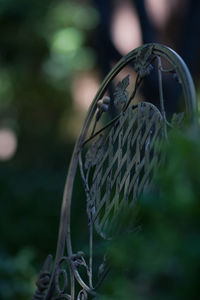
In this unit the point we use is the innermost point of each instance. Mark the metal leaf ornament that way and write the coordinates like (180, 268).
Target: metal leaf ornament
(93, 154)
(121, 93)
(142, 64)
(177, 120)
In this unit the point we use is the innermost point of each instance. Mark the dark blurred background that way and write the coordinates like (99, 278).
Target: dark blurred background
(53, 56)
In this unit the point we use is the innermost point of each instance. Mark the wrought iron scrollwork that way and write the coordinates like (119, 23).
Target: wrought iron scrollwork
(43, 279)
(61, 280)
(82, 295)
(116, 161)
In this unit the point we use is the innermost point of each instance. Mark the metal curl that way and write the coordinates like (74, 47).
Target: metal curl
(43, 279)
(59, 273)
(82, 295)
(78, 260)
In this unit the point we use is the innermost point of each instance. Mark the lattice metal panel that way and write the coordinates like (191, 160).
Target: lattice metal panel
(119, 163)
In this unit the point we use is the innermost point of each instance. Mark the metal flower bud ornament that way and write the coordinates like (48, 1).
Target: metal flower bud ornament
(103, 106)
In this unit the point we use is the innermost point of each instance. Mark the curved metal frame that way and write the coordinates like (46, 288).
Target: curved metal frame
(141, 58)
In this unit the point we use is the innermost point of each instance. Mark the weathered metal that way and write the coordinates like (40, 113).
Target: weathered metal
(116, 161)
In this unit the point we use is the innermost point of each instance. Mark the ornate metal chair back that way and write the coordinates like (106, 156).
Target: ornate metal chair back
(116, 155)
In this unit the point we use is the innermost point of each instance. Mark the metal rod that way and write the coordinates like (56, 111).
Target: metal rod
(161, 96)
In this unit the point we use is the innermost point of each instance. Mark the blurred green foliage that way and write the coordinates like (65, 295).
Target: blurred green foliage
(17, 275)
(42, 46)
(161, 258)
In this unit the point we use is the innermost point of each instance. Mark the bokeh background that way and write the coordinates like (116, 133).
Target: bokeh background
(53, 56)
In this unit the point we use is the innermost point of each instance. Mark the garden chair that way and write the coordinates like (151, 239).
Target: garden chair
(116, 156)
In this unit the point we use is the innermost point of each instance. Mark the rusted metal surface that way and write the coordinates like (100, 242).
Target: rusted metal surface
(116, 161)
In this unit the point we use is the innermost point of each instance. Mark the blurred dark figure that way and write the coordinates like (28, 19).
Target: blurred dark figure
(106, 49)
(190, 40)
(180, 30)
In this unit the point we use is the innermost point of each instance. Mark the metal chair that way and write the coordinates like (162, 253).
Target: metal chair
(116, 155)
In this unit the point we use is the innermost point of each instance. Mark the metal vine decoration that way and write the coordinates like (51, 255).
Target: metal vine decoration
(116, 161)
